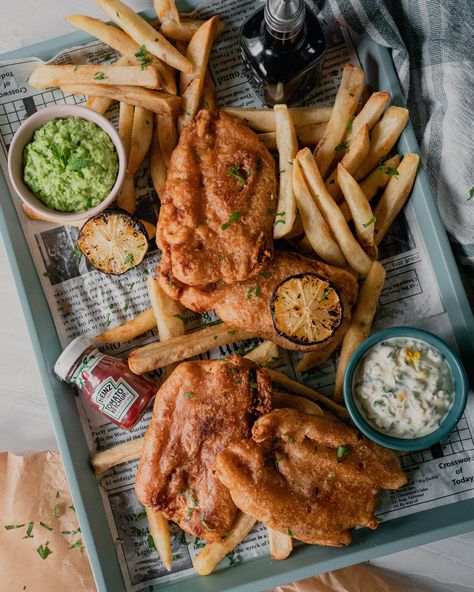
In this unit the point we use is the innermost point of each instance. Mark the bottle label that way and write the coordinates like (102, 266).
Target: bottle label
(114, 398)
(85, 368)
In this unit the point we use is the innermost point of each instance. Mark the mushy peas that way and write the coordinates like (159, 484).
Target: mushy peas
(71, 164)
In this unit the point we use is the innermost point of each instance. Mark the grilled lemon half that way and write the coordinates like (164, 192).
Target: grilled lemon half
(306, 309)
(113, 241)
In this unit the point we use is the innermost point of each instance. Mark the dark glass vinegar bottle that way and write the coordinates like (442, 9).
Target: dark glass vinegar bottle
(282, 48)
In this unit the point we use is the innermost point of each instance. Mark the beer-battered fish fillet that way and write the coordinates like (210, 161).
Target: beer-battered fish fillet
(308, 476)
(203, 407)
(216, 216)
(247, 305)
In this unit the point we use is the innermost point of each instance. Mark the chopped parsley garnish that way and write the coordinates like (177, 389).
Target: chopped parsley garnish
(142, 58)
(234, 172)
(188, 395)
(325, 295)
(206, 526)
(232, 218)
(342, 452)
(264, 274)
(180, 317)
(290, 533)
(387, 170)
(349, 125)
(369, 222)
(170, 280)
(280, 221)
(197, 158)
(150, 542)
(29, 530)
(253, 384)
(128, 259)
(12, 526)
(44, 525)
(190, 513)
(253, 290)
(379, 519)
(71, 507)
(44, 550)
(234, 560)
(54, 511)
(342, 147)
(199, 544)
(232, 332)
(291, 440)
(277, 461)
(99, 76)
(331, 476)
(471, 193)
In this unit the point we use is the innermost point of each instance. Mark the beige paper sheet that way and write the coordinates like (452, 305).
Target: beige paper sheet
(28, 490)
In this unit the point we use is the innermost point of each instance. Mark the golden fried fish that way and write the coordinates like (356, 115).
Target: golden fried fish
(216, 216)
(203, 407)
(308, 476)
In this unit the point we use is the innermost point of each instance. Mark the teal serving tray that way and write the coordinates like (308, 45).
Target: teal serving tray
(259, 574)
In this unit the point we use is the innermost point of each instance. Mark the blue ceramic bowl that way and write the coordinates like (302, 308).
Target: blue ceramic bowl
(451, 419)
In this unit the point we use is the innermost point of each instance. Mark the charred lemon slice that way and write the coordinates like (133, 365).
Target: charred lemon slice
(306, 309)
(113, 241)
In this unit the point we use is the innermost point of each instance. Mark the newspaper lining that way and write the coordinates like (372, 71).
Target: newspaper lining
(86, 302)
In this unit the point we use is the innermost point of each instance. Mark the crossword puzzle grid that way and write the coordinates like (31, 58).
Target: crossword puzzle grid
(459, 440)
(12, 114)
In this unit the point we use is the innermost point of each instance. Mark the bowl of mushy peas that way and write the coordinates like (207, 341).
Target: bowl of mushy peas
(67, 163)
(405, 388)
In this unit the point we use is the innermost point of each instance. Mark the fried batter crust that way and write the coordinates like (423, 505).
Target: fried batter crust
(246, 307)
(220, 174)
(203, 407)
(289, 476)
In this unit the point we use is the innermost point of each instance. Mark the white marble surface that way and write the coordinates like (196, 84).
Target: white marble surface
(25, 423)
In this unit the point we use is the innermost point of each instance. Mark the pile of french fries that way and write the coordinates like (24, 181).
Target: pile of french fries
(333, 161)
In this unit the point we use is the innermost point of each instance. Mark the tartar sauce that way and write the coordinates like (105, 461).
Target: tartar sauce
(404, 387)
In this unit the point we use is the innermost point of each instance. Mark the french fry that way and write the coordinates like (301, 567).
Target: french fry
(140, 324)
(191, 84)
(370, 112)
(308, 135)
(285, 400)
(361, 322)
(125, 125)
(383, 138)
(105, 460)
(126, 199)
(167, 135)
(124, 44)
(318, 357)
(345, 104)
(263, 120)
(364, 220)
(160, 531)
(149, 227)
(315, 227)
(380, 176)
(155, 101)
(33, 215)
(166, 311)
(287, 145)
(305, 391)
(157, 355)
(142, 133)
(99, 104)
(263, 354)
(351, 160)
(185, 29)
(353, 252)
(205, 562)
(144, 34)
(373, 183)
(166, 10)
(395, 195)
(281, 545)
(47, 76)
(208, 94)
(157, 164)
